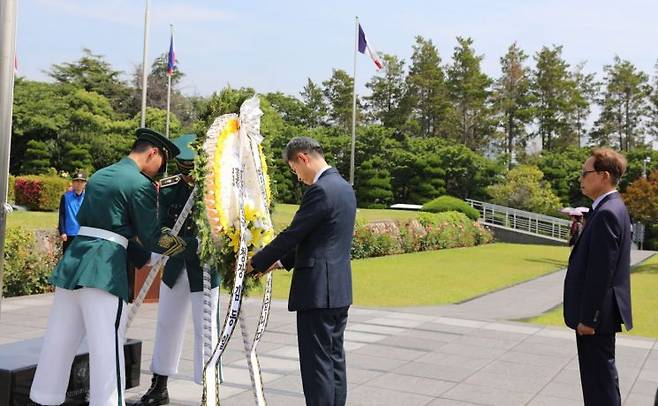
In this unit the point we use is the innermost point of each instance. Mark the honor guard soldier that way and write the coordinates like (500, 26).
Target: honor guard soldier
(182, 285)
(91, 279)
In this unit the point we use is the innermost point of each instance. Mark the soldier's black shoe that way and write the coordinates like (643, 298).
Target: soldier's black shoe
(157, 393)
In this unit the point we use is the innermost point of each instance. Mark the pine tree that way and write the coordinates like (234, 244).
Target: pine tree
(386, 102)
(468, 88)
(315, 106)
(76, 157)
(36, 159)
(624, 104)
(94, 74)
(513, 101)
(652, 122)
(373, 185)
(585, 92)
(157, 90)
(427, 182)
(552, 89)
(427, 95)
(338, 93)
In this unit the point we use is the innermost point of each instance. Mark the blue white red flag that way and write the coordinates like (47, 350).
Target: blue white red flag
(171, 60)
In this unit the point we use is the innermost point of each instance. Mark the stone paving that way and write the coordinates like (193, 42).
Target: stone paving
(394, 358)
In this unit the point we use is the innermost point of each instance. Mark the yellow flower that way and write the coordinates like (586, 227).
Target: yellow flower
(249, 213)
(257, 235)
(230, 128)
(234, 235)
(263, 164)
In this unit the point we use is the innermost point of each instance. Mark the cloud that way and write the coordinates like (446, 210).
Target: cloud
(131, 13)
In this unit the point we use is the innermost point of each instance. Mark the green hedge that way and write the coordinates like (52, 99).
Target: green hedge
(39, 192)
(452, 230)
(430, 231)
(26, 269)
(449, 203)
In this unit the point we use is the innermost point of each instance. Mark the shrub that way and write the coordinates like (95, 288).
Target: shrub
(525, 189)
(451, 230)
(368, 243)
(449, 203)
(40, 192)
(431, 231)
(26, 269)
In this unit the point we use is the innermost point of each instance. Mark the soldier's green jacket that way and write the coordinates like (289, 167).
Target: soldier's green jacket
(118, 198)
(174, 192)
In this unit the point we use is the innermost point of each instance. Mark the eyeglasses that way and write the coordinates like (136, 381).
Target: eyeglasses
(584, 173)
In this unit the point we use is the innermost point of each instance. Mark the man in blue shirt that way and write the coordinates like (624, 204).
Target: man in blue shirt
(69, 206)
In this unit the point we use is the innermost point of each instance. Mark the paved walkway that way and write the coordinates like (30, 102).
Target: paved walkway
(394, 358)
(463, 354)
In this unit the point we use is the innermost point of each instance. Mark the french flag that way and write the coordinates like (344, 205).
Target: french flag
(171, 60)
(365, 47)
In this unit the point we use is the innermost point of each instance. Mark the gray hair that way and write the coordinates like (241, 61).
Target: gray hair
(306, 145)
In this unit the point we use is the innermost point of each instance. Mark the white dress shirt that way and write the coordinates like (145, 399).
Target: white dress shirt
(320, 172)
(598, 199)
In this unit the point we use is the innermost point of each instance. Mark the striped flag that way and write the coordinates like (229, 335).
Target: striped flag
(364, 47)
(171, 60)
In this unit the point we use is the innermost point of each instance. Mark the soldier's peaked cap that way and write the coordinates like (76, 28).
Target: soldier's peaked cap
(184, 144)
(158, 140)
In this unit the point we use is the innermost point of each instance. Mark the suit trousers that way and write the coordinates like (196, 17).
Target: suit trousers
(321, 355)
(100, 317)
(598, 373)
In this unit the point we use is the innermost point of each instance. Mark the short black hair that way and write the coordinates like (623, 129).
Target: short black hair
(306, 145)
(141, 145)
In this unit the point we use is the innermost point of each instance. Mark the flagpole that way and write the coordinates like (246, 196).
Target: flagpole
(169, 75)
(356, 47)
(145, 62)
(7, 73)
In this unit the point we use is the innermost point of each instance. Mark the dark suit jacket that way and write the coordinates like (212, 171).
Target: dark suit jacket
(317, 244)
(597, 288)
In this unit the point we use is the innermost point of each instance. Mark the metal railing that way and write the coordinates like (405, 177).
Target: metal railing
(526, 221)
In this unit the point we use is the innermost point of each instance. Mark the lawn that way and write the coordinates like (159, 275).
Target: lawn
(283, 214)
(644, 283)
(33, 220)
(442, 277)
(281, 217)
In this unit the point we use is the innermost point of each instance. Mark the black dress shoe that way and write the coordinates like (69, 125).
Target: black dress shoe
(157, 393)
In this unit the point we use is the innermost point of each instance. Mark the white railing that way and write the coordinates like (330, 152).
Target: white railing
(526, 221)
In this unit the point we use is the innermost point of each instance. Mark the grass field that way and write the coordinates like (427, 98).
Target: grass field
(281, 217)
(33, 220)
(442, 277)
(644, 299)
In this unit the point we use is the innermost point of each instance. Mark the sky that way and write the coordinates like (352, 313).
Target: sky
(277, 45)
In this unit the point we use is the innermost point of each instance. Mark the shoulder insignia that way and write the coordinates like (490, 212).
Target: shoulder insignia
(170, 181)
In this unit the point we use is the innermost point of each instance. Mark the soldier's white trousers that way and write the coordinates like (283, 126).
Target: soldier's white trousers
(100, 317)
(173, 309)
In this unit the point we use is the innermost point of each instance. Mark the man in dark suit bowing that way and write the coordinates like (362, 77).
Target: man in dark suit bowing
(597, 287)
(317, 245)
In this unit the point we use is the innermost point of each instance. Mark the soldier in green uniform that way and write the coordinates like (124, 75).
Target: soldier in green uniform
(91, 281)
(181, 288)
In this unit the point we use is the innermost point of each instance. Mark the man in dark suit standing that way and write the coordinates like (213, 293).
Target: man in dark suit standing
(317, 245)
(597, 287)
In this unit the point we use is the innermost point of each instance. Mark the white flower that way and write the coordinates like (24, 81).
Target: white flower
(248, 237)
